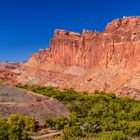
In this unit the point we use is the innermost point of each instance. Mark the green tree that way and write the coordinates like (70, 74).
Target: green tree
(13, 119)
(29, 123)
(17, 133)
(4, 131)
(71, 133)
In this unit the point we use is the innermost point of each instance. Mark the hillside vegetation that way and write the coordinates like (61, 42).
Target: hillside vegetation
(100, 115)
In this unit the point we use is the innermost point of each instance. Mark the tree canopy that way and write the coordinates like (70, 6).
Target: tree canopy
(100, 115)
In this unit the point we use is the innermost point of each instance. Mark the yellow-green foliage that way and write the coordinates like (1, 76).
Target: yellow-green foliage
(16, 127)
(100, 115)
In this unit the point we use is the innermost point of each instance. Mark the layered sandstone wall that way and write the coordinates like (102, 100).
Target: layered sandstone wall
(92, 60)
(118, 44)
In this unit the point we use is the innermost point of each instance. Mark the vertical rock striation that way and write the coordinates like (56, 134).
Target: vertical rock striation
(99, 56)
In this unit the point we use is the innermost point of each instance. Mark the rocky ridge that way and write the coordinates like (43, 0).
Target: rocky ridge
(92, 60)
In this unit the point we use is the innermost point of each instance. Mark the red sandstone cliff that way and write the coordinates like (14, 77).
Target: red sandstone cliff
(7, 71)
(118, 44)
(108, 60)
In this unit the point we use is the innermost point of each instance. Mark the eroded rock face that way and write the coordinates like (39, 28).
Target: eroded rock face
(38, 58)
(117, 45)
(7, 71)
(102, 57)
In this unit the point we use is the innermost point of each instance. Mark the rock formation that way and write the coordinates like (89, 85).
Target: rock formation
(92, 60)
(7, 71)
(116, 45)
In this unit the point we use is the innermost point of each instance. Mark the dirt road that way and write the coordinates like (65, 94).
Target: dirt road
(45, 136)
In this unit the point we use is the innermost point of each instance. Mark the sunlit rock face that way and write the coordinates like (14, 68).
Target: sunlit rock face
(7, 71)
(89, 60)
(118, 44)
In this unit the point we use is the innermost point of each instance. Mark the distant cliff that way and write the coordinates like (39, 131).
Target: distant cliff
(117, 45)
(92, 60)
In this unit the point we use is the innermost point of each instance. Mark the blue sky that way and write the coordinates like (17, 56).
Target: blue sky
(27, 25)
